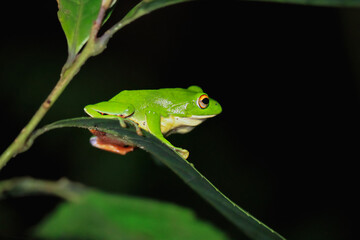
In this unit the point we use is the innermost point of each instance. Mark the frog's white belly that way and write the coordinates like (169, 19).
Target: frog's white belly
(174, 124)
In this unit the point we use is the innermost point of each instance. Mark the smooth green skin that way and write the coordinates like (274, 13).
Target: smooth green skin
(161, 112)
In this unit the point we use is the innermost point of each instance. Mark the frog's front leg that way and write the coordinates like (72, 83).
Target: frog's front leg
(137, 128)
(153, 121)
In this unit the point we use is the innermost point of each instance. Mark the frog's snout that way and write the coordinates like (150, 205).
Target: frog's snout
(217, 108)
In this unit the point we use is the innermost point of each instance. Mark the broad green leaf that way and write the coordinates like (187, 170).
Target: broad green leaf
(76, 18)
(185, 170)
(97, 215)
(92, 215)
(330, 3)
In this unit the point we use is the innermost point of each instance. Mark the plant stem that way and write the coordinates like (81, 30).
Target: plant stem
(70, 69)
(24, 186)
(64, 80)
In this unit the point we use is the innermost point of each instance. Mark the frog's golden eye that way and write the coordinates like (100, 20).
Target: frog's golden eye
(203, 101)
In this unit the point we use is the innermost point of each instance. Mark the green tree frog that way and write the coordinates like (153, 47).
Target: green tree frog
(160, 112)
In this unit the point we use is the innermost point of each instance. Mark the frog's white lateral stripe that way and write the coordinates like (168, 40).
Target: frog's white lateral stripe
(202, 116)
(173, 124)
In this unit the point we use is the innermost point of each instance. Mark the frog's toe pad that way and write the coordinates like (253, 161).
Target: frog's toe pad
(121, 149)
(182, 152)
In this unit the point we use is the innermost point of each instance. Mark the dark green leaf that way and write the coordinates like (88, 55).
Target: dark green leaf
(333, 3)
(185, 170)
(76, 18)
(143, 8)
(146, 7)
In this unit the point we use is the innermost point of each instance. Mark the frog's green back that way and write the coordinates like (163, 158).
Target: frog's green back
(150, 94)
(176, 101)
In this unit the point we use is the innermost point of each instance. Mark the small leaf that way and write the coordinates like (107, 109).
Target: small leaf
(185, 170)
(146, 7)
(76, 18)
(143, 8)
(98, 215)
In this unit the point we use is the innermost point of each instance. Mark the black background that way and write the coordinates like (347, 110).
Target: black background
(284, 148)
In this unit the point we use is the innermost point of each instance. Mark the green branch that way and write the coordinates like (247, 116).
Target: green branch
(70, 69)
(25, 186)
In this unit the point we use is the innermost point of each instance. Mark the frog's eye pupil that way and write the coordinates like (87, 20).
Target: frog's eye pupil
(203, 101)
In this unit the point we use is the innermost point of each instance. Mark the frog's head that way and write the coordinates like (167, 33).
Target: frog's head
(202, 105)
(192, 108)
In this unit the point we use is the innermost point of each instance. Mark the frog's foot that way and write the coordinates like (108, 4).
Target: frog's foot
(137, 128)
(121, 149)
(182, 152)
(110, 143)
